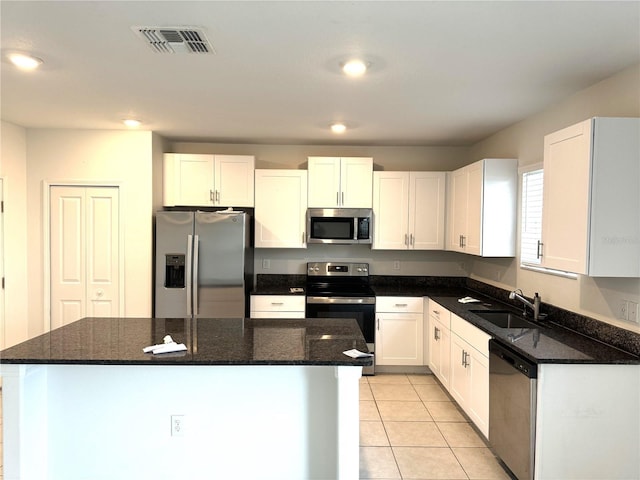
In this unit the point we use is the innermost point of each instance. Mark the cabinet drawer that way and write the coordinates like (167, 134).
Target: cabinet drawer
(399, 304)
(471, 334)
(264, 314)
(278, 303)
(439, 313)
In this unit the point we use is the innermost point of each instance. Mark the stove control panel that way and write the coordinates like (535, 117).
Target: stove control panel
(328, 269)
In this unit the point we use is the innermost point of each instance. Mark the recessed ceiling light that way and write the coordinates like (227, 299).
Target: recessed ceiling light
(131, 122)
(338, 128)
(23, 61)
(354, 68)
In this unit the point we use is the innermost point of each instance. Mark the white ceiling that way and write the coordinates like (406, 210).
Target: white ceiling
(442, 73)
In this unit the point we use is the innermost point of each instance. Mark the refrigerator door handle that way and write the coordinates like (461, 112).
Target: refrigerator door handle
(188, 272)
(195, 274)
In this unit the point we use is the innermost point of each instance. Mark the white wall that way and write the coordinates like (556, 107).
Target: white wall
(598, 298)
(123, 157)
(13, 169)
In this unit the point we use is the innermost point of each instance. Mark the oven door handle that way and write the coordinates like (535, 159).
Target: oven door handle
(343, 300)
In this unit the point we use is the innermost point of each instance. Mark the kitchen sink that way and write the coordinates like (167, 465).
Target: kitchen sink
(504, 319)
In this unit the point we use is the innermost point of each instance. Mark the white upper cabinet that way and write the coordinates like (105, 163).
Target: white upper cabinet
(340, 182)
(281, 205)
(591, 206)
(482, 208)
(203, 180)
(408, 209)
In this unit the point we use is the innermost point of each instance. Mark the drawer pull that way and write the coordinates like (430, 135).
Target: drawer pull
(401, 304)
(277, 303)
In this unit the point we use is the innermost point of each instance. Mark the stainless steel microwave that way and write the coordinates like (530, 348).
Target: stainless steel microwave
(339, 225)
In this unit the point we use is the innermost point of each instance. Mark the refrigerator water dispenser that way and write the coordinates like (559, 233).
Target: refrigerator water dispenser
(174, 271)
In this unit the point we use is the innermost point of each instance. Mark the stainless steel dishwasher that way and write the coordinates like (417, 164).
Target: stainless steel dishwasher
(512, 409)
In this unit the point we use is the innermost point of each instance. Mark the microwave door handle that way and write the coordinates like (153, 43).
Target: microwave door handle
(355, 228)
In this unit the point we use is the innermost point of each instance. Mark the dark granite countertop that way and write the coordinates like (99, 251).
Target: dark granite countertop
(565, 337)
(210, 341)
(551, 343)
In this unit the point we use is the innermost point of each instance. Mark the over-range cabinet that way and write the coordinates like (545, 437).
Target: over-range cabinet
(204, 264)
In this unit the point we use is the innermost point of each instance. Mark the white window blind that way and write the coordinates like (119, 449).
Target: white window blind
(531, 217)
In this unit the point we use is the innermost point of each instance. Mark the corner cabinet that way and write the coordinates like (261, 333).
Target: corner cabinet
(399, 323)
(340, 182)
(459, 357)
(482, 208)
(591, 205)
(203, 180)
(408, 210)
(281, 205)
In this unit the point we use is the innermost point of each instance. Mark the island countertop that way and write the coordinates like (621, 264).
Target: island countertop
(209, 341)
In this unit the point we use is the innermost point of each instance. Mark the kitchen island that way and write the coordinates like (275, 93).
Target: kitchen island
(248, 399)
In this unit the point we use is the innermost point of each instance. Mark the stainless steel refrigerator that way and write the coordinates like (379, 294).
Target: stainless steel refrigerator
(204, 264)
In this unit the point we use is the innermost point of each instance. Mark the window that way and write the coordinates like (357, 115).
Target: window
(531, 229)
(531, 224)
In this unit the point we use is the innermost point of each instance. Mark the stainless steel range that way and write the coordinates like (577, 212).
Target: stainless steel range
(341, 290)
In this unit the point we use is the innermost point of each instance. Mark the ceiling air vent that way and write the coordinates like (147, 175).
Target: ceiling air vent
(175, 39)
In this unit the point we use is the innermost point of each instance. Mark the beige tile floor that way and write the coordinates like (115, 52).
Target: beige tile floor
(411, 429)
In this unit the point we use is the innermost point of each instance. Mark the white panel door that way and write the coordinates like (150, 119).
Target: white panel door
(102, 250)
(85, 253)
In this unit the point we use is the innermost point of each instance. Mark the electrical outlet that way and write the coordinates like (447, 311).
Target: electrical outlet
(396, 265)
(632, 311)
(266, 264)
(623, 310)
(177, 425)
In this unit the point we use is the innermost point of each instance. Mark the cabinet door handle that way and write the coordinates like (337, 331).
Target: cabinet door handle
(406, 240)
(436, 333)
(338, 198)
(411, 239)
(377, 324)
(218, 196)
(342, 199)
(303, 236)
(539, 250)
(211, 196)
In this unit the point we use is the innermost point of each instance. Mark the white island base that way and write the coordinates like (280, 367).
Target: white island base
(73, 422)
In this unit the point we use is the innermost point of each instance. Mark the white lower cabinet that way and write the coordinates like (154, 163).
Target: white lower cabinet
(277, 306)
(399, 323)
(469, 383)
(459, 357)
(439, 342)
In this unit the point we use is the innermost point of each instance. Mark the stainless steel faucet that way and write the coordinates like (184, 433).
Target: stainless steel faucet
(535, 306)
